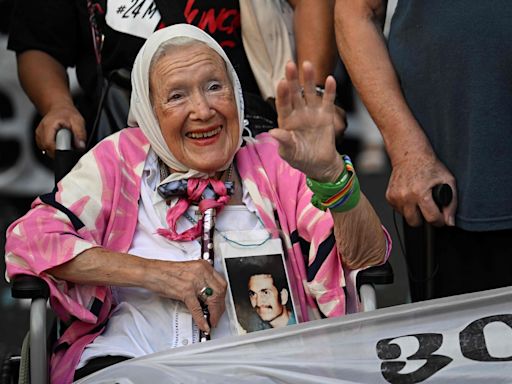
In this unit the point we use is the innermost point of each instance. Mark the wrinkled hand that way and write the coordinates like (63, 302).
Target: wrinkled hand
(410, 190)
(62, 116)
(183, 281)
(306, 132)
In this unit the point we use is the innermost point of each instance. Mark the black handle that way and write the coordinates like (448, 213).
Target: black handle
(442, 195)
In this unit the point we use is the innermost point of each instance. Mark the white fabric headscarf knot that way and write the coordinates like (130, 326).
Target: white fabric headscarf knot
(141, 112)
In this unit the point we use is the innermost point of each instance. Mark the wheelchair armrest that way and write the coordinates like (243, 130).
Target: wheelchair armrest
(35, 288)
(380, 274)
(29, 287)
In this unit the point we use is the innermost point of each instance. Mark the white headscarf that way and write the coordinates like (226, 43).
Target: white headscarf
(141, 112)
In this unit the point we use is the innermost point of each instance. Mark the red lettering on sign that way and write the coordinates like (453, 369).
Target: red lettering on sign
(224, 15)
(190, 14)
(227, 20)
(208, 21)
(227, 44)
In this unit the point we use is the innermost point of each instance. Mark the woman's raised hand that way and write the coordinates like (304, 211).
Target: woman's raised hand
(306, 133)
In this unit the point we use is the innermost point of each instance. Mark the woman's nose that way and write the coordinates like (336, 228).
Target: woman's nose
(201, 107)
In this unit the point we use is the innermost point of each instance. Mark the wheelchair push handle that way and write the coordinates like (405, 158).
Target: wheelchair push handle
(65, 155)
(63, 139)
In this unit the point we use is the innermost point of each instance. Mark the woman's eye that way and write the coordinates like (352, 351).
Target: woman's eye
(175, 97)
(214, 86)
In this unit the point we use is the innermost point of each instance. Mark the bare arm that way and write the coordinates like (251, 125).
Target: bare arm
(358, 232)
(359, 236)
(314, 36)
(315, 42)
(176, 280)
(45, 81)
(305, 136)
(416, 168)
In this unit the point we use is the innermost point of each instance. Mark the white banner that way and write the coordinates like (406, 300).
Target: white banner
(463, 339)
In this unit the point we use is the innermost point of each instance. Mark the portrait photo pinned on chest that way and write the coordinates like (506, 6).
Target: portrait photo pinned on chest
(260, 292)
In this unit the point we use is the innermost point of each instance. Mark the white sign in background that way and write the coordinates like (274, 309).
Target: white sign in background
(134, 17)
(463, 339)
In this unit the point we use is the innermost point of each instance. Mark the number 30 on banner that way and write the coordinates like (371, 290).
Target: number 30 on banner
(472, 344)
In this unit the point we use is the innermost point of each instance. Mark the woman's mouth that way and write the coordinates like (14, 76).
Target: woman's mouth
(205, 134)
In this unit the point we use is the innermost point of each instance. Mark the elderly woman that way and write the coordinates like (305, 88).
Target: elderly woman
(117, 245)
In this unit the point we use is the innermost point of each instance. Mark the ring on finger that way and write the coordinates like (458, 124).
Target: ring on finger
(205, 293)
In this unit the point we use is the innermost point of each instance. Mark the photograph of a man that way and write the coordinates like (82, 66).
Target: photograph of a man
(269, 300)
(260, 291)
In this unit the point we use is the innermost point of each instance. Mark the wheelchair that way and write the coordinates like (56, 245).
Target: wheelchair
(32, 366)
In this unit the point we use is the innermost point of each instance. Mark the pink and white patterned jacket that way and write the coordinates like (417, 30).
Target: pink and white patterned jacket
(96, 205)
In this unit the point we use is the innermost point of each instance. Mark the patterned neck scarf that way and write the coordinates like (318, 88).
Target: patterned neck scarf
(206, 193)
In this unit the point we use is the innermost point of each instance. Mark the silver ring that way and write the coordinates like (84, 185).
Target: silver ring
(43, 152)
(205, 293)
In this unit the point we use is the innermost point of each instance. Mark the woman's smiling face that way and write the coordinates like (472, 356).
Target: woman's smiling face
(195, 106)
